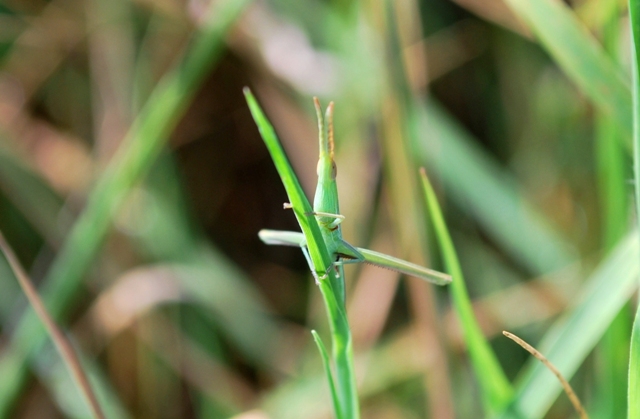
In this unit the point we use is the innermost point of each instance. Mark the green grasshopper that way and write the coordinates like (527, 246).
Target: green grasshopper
(327, 213)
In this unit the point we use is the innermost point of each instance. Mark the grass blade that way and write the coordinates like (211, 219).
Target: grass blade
(137, 153)
(612, 173)
(341, 334)
(326, 363)
(480, 186)
(579, 55)
(496, 389)
(299, 202)
(634, 361)
(572, 337)
(634, 371)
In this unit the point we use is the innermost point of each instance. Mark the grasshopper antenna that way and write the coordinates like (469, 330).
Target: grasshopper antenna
(321, 131)
(329, 119)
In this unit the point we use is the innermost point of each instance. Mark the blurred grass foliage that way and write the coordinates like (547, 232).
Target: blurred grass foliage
(133, 183)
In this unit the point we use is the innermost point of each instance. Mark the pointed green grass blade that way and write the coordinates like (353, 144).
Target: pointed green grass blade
(572, 337)
(610, 392)
(489, 193)
(341, 334)
(299, 202)
(142, 145)
(633, 390)
(496, 389)
(342, 353)
(634, 13)
(326, 363)
(634, 361)
(580, 56)
(633, 403)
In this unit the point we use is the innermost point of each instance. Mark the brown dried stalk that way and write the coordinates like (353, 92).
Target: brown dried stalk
(59, 339)
(565, 384)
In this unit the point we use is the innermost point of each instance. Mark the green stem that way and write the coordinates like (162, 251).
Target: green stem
(342, 346)
(634, 362)
(342, 354)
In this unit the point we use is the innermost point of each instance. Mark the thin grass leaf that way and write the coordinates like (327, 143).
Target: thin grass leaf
(342, 353)
(326, 363)
(634, 361)
(633, 391)
(490, 194)
(495, 388)
(610, 155)
(572, 337)
(299, 202)
(342, 344)
(612, 172)
(142, 145)
(634, 13)
(580, 56)
(400, 166)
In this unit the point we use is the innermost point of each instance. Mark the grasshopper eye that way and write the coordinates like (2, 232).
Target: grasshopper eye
(334, 170)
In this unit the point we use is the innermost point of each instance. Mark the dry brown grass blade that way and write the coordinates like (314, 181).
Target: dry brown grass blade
(565, 384)
(62, 344)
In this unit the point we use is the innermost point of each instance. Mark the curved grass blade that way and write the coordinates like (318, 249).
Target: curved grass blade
(580, 56)
(496, 389)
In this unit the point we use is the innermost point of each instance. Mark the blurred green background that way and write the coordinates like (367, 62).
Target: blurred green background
(133, 182)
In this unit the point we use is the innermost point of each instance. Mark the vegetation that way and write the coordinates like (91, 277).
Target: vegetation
(134, 181)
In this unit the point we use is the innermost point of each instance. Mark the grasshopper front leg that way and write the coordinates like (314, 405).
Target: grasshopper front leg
(293, 239)
(338, 218)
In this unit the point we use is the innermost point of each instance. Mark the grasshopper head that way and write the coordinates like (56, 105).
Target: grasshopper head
(326, 165)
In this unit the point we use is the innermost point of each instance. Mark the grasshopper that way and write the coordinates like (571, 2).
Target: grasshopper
(327, 212)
